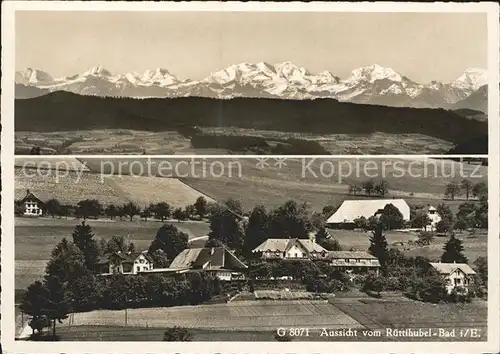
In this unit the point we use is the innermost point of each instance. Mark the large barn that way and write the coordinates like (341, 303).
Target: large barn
(353, 209)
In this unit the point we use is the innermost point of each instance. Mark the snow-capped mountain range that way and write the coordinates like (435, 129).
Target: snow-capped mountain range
(372, 84)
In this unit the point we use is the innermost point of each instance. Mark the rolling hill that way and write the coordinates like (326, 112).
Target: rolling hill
(64, 111)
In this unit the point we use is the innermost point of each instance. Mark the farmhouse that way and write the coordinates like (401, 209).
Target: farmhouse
(33, 206)
(351, 210)
(295, 248)
(354, 261)
(125, 263)
(458, 276)
(217, 261)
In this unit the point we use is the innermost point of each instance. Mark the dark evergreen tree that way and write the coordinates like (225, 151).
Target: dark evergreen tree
(378, 247)
(453, 251)
(257, 230)
(33, 304)
(83, 238)
(67, 262)
(57, 306)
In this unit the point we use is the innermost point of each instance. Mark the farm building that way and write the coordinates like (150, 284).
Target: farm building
(33, 206)
(351, 210)
(433, 216)
(354, 261)
(125, 263)
(217, 261)
(458, 276)
(276, 248)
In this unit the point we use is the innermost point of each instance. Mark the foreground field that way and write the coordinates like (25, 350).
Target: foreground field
(241, 315)
(35, 239)
(379, 315)
(259, 320)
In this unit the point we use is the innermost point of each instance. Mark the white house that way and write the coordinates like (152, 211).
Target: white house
(433, 216)
(353, 209)
(33, 206)
(126, 263)
(295, 248)
(457, 275)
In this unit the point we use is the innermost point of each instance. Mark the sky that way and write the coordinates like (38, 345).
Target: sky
(422, 46)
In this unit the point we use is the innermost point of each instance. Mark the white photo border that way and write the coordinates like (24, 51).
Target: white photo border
(7, 163)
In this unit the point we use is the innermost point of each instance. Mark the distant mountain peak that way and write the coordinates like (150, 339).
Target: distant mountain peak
(374, 72)
(472, 78)
(97, 71)
(373, 84)
(30, 76)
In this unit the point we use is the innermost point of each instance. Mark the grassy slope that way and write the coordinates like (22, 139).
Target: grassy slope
(69, 187)
(272, 185)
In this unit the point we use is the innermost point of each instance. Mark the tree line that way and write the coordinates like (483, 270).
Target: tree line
(466, 188)
(370, 187)
(92, 208)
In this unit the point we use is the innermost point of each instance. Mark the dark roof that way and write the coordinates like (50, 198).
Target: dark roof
(31, 196)
(207, 258)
